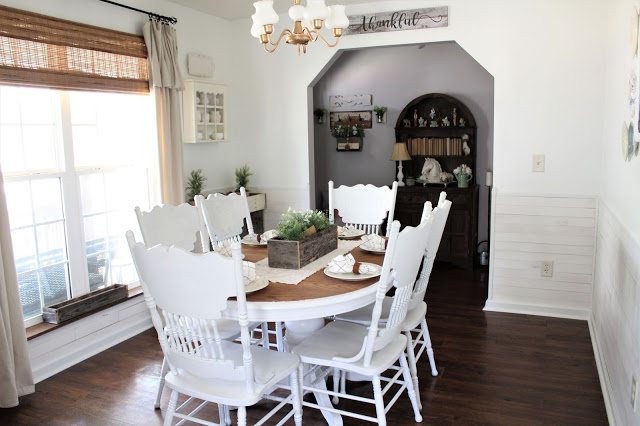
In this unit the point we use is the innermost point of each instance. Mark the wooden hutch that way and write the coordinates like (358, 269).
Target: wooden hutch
(443, 143)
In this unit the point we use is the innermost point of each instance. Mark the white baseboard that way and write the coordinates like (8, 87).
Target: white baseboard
(545, 311)
(603, 375)
(69, 345)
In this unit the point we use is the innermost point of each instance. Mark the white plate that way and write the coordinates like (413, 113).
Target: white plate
(356, 233)
(355, 277)
(258, 284)
(365, 247)
(251, 241)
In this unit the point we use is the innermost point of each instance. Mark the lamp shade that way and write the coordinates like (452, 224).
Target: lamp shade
(316, 9)
(256, 30)
(400, 152)
(337, 17)
(296, 12)
(265, 15)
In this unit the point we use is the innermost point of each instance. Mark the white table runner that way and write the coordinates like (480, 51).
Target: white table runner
(295, 276)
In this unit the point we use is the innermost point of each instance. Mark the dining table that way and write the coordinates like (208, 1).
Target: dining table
(303, 307)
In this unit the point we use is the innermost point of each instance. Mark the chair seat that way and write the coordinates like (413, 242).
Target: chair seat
(344, 340)
(363, 315)
(270, 367)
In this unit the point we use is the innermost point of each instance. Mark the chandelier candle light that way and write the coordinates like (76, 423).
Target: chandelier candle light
(400, 154)
(304, 18)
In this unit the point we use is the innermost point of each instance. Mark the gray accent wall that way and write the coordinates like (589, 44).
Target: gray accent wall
(395, 76)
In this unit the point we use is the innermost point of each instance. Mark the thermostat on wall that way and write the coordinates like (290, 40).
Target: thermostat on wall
(200, 65)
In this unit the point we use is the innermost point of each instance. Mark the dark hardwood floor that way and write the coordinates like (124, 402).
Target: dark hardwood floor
(495, 369)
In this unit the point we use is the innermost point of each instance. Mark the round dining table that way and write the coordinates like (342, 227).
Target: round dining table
(304, 307)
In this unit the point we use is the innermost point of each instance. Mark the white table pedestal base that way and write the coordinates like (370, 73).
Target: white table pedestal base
(296, 332)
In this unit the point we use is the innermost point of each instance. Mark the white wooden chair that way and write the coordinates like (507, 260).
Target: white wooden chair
(370, 351)
(223, 217)
(170, 225)
(363, 206)
(415, 320)
(180, 226)
(190, 291)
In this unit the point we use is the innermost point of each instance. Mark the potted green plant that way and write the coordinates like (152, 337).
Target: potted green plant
(195, 184)
(463, 174)
(380, 113)
(302, 238)
(320, 114)
(242, 178)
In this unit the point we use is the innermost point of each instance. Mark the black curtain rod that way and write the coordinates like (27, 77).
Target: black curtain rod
(167, 19)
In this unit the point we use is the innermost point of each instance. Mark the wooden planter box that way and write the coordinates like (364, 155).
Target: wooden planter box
(77, 306)
(296, 254)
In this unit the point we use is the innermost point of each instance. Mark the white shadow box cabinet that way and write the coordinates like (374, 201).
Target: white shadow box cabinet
(205, 114)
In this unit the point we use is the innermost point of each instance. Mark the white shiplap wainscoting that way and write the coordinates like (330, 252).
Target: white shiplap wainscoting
(529, 229)
(615, 320)
(68, 345)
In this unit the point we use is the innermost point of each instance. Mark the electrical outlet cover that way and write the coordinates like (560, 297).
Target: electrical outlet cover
(538, 163)
(546, 268)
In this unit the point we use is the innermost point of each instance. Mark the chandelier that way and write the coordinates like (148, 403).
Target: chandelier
(307, 23)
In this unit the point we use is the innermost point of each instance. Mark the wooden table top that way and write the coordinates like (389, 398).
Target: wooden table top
(316, 286)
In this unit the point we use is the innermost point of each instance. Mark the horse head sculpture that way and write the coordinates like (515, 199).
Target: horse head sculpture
(431, 170)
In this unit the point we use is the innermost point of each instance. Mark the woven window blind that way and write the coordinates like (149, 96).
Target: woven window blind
(38, 50)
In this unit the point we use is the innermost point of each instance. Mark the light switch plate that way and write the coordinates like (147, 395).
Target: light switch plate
(538, 163)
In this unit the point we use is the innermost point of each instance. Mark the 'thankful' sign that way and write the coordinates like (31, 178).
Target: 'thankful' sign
(415, 19)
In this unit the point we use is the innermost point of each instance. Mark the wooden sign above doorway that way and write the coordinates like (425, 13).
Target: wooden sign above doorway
(402, 20)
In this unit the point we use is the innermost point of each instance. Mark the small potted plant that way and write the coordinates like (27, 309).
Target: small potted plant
(302, 238)
(380, 113)
(195, 185)
(320, 114)
(242, 178)
(463, 174)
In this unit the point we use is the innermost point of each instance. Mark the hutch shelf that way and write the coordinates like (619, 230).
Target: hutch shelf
(443, 143)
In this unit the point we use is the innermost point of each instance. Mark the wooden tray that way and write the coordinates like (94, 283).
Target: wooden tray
(77, 306)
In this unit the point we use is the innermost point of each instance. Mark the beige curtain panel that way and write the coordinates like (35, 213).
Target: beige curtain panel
(167, 83)
(15, 369)
(41, 51)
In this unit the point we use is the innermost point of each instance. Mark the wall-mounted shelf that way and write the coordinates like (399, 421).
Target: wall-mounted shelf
(205, 113)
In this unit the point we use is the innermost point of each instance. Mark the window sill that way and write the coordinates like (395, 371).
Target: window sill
(45, 327)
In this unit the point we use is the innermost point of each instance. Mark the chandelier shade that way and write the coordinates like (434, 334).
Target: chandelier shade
(307, 23)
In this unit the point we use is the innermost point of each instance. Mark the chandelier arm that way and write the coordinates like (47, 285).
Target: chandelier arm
(275, 45)
(326, 42)
(311, 33)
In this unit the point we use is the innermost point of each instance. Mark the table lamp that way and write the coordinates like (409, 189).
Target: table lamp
(400, 154)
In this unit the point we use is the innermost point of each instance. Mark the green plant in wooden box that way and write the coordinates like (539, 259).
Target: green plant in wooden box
(242, 177)
(345, 131)
(296, 226)
(195, 184)
(302, 238)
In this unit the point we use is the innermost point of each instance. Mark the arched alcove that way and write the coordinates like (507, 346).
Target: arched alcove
(394, 76)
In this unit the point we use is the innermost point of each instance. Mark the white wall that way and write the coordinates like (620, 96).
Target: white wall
(544, 56)
(197, 32)
(615, 319)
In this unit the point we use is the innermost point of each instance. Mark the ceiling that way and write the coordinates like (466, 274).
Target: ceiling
(237, 9)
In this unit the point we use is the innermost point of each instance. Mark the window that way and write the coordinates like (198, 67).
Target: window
(75, 165)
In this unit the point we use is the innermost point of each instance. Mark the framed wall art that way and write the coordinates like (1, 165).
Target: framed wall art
(350, 118)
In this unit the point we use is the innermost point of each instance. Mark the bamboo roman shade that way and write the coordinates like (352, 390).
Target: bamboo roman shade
(38, 50)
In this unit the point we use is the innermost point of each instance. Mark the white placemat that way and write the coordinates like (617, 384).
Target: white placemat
(295, 276)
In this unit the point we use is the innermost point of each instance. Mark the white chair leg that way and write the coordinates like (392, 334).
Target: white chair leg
(265, 335)
(377, 395)
(227, 415)
(411, 358)
(412, 393)
(221, 414)
(336, 384)
(279, 342)
(427, 342)
(163, 372)
(343, 382)
(171, 408)
(296, 390)
(242, 416)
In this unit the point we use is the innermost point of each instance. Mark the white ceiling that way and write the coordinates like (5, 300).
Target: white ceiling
(236, 9)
